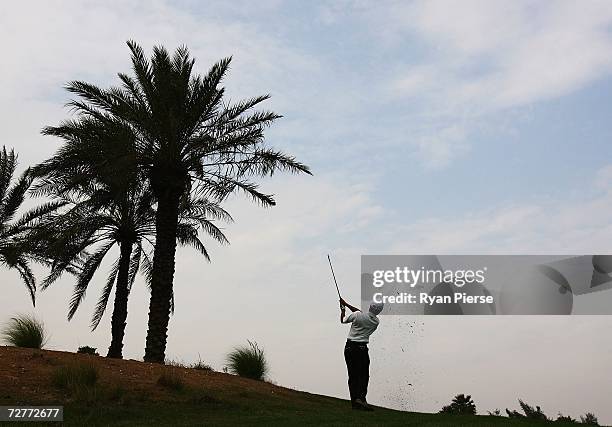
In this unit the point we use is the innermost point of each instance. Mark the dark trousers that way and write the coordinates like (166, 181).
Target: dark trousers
(358, 366)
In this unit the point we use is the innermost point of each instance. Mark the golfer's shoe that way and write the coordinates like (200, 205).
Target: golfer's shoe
(360, 404)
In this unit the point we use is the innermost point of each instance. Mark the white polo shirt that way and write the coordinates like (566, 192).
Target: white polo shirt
(363, 325)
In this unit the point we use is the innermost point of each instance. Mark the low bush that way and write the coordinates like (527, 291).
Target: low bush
(25, 331)
(461, 405)
(87, 350)
(248, 361)
(174, 363)
(589, 419)
(201, 366)
(565, 419)
(530, 412)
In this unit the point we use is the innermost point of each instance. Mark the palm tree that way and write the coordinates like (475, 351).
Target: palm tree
(188, 141)
(106, 210)
(15, 253)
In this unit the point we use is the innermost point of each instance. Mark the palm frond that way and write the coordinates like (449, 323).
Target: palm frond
(8, 164)
(15, 197)
(28, 278)
(104, 296)
(85, 276)
(39, 213)
(188, 236)
(134, 266)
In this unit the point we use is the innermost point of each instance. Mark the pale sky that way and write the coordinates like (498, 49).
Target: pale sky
(438, 127)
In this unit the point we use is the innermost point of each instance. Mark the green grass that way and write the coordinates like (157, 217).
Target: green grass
(248, 361)
(315, 410)
(24, 331)
(251, 408)
(79, 380)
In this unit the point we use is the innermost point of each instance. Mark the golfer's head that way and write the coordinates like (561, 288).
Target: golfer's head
(376, 308)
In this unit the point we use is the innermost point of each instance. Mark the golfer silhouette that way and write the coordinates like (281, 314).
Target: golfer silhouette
(356, 350)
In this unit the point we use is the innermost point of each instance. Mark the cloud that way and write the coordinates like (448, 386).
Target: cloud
(505, 54)
(550, 226)
(482, 58)
(437, 150)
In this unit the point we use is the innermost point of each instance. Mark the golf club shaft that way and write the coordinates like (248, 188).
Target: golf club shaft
(334, 275)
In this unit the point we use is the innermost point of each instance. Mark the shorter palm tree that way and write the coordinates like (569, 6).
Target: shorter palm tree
(15, 252)
(96, 222)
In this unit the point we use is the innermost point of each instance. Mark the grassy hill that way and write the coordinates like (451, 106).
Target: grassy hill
(128, 392)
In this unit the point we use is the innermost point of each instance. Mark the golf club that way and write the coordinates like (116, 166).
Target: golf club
(334, 276)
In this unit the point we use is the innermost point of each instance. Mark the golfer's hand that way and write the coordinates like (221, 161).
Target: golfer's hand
(342, 303)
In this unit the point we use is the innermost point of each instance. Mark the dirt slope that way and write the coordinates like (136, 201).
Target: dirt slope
(25, 377)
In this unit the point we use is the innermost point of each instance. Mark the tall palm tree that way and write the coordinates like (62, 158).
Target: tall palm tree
(108, 209)
(15, 253)
(188, 141)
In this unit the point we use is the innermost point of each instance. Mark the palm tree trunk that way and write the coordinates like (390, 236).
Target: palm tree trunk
(163, 275)
(118, 321)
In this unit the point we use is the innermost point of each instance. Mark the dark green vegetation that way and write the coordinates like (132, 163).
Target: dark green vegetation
(531, 413)
(461, 405)
(464, 405)
(24, 331)
(248, 361)
(85, 349)
(251, 410)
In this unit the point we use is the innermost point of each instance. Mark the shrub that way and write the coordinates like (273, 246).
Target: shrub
(530, 412)
(171, 379)
(248, 361)
(565, 419)
(201, 366)
(461, 405)
(495, 413)
(25, 331)
(174, 363)
(589, 419)
(75, 377)
(514, 414)
(87, 350)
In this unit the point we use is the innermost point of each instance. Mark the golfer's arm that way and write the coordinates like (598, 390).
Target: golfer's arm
(350, 307)
(342, 318)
